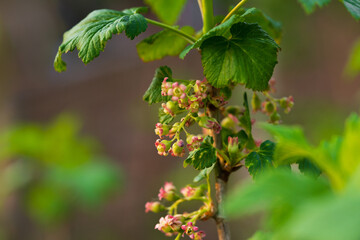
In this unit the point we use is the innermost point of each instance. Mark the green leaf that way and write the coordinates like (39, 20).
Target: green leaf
(167, 11)
(153, 93)
(162, 44)
(272, 27)
(204, 156)
(353, 65)
(291, 145)
(330, 218)
(310, 5)
(90, 35)
(349, 155)
(248, 57)
(308, 168)
(163, 117)
(259, 161)
(279, 189)
(353, 6)
(204, 173)
(251, 15)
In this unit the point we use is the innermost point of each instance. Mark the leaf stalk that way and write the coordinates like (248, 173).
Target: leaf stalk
(232, 12)
(186, 36)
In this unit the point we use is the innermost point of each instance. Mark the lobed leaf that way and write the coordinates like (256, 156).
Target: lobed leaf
(353, 6)
(204, 156)
(251, 15)
(162, 44)
(90, 35)
(259, 161)
(310, 5)
(248, 57)
(153, 93)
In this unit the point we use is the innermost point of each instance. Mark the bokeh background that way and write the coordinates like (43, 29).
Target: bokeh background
(117, 133)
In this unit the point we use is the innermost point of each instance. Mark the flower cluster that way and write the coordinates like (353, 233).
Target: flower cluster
(180, 224)
(190, 97)
(184, 97)
(270, 105)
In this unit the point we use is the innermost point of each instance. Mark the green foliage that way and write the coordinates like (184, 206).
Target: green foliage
(308, 168)
(291, 144)
(248, 57)
(269, 25)
(251, 15)
(167, 11)
(310, 5)
(353, 66)
(245, 122)
(258, 162)
(59, 169)
(204, 156)
(90, 35)
(163, 117)
(162, 44)
(277, 188)
(153, 94)
(353, 6)
(204, 173)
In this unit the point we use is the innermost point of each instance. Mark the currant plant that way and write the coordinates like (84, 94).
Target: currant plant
(238, 49)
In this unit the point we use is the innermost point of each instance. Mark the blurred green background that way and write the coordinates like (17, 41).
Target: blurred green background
(56, 182)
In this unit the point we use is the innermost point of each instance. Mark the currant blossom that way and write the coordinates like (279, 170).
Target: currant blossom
(177, 149)
(188, 191)
(163, 147)
(161, 129)
(167, 192)
(169, 224)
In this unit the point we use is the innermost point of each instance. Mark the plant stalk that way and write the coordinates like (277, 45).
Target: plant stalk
(233, 10)
(207, 15)
(186, 36)
(221, 176)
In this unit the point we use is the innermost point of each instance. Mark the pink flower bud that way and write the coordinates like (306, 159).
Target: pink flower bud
(161, 129)
(201, 88)
(155, 207)
(169, 224)
(209, 123)
(194, 142)
(170, 108)
(188, 191)
(168, 192)
(177, 148)
(163, 147)
(165, 87)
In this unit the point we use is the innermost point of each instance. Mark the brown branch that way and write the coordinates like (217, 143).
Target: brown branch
(221, 175)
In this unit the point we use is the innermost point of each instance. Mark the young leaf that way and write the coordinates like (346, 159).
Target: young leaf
(245, 122)
(248, 57)
(164, 43)
(353, 66)
(90, 35)
(353, 6)
(291, 145)
(204, 156)
(308, 168)
(204, 173)
(153, 94)
(167, 11)
(279, 188)
(310, 5)
(257, 162)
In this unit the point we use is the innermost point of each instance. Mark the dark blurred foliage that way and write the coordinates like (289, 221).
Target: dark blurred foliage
(107, 95)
